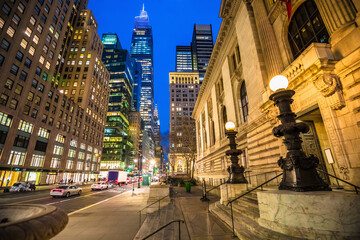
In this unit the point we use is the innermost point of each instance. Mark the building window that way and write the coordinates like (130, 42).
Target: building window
(5, 119)
(306, 27)
(4, 99)
(5, 44)
(16, 158)
(9, 84)
(69, 164)
(55, 163)
(244, 102)
(13, 104)
(25, 126)
(21, 141)
(37, 160)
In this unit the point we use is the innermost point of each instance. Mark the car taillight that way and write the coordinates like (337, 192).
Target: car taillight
(51, 190)
(116, 181)
(62, 191)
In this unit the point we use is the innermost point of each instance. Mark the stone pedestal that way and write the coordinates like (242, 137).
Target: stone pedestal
(313, 215)
(230, 191)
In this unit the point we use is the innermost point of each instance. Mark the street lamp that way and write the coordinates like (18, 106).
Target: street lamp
(236, 172)
(299, 171)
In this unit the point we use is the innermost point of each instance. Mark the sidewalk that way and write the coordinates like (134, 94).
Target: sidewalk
(114, 218)
(200, 223)
(117, 218)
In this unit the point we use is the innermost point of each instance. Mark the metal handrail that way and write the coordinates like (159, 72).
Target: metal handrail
(215, 187)
(161, 228)
(356, 187)
(259, 186)
(149, 206)
(230, 202)
(263, 173)
(154, 203)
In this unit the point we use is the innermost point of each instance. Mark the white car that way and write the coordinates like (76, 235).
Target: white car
(22, 187)
(99, 186)
(65, 191)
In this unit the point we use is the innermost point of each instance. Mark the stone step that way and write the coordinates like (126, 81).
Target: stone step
(251, 211)
(245, 227)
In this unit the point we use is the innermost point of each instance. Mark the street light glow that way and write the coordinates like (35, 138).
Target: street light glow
(278, 82)
(230, 126)
(152, 162)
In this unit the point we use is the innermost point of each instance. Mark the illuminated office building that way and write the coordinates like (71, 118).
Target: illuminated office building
(142, 52)
(183, 61)
(44, 135)
(118, 152)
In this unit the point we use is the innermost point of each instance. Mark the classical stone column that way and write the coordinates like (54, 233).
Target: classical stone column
(269, 45)
(337, 16)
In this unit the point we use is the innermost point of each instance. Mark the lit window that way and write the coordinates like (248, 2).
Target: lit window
(16, 158)
(25, 126)
(43, 133)
(32, 20)
(51, 28)
(36, 39)
(37, 160)
(39, 28)
(89, 55)
(41, 59)
(32, 50)
(10, 31)
(23, 43)
(47, 65)
(2, 22)
(28, 32)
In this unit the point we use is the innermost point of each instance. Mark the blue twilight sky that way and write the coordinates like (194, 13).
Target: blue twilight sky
(172, 22)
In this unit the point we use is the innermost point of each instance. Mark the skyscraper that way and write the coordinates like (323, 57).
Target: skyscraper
(183, 59)
(118, 146)
(142, 52)
(202, 46)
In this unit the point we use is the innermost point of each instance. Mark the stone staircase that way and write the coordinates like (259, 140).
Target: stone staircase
(246, 215)
(154, 219)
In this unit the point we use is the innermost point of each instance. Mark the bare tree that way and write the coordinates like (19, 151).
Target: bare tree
(183, 144)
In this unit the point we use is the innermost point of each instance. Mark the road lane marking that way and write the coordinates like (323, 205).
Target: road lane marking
(92, 205)
(31, 200)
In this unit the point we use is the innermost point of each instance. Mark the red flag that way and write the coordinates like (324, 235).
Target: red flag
(288, 7)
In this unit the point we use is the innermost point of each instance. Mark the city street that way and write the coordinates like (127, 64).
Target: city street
(70, 204)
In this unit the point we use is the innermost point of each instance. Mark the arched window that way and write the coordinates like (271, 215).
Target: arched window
(306, 27)
(224, 116)
(244, 102)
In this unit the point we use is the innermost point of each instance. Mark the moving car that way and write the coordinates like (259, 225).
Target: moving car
(65, 191)
(99, 186)
(22, 187)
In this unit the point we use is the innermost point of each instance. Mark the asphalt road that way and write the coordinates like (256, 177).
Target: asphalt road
(71, 204)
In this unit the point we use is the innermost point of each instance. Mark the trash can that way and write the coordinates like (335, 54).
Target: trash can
(188, 186)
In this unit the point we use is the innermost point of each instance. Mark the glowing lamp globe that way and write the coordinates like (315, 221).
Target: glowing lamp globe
(230, 126)
(152, 162)
(278, 82)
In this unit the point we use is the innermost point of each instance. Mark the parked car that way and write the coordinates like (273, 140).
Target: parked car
(22, 187)
(99, 186)
(65, 191)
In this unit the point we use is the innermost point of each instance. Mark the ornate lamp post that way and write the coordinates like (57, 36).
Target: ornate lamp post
(299, 171)
(235, 170)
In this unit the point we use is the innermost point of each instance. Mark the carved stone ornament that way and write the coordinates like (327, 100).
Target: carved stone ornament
(329, 85)
(271, 115)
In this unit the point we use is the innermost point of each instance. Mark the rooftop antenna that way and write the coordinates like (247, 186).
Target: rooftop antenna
(143, 7)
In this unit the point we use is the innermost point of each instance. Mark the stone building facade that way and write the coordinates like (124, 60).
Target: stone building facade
(317, 49)
(184, 89)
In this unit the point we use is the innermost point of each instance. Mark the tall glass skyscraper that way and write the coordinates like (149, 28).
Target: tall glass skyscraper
(142, 52)
(202, 45)
(118, 147)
